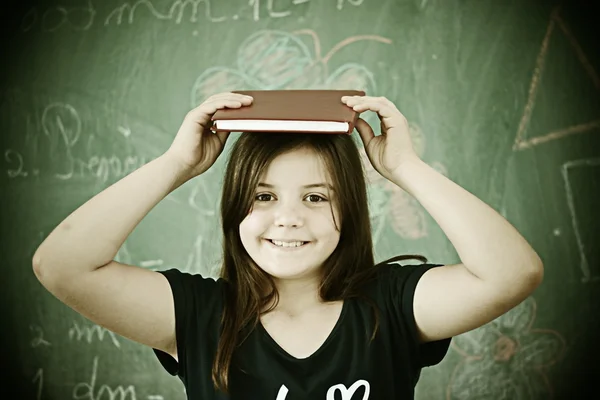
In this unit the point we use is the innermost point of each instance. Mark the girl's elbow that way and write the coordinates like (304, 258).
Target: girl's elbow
(534, 276)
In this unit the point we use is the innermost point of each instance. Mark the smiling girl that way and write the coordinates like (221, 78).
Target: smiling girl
(300, 310)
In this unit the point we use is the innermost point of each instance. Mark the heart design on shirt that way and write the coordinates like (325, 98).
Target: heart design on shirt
(348, 393)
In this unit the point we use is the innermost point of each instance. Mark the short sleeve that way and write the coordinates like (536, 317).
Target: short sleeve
(403, 282)
(198, 304)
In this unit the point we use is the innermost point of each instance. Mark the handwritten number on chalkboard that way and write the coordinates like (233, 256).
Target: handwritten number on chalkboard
(10, 156)
(39, 376)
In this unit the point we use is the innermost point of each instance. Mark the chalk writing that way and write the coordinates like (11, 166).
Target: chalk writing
(103, 167)
(176, 11)
(87, 390)
(39, 377)
(38, 340)
(81, 18)
(255, 4)
(14, 157)
(356, 3)
(61, 126)
(63, 121)
(87, 333)
(55, 17)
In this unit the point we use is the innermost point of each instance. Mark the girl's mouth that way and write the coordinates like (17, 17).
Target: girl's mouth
(287, 247)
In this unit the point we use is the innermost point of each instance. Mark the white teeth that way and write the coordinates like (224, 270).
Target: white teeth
(287, 244)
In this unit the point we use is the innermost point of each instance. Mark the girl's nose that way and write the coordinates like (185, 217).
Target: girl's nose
(288, 215)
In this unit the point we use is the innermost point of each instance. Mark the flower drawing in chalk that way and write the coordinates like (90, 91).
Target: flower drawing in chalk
(390, 205)
(505, 359)
(278, 60)
(270, 60)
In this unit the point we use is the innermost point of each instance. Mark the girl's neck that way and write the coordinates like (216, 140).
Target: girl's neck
(297, 296)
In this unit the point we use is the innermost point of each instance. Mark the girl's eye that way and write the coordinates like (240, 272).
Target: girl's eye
(260, 197)
(313, 198)
(318, 198)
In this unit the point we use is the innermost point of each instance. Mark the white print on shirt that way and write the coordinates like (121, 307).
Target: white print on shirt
(347, 393)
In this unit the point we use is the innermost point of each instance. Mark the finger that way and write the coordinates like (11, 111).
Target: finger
(228, 98)
(228, 95)
(353, 100)
(387, 113)
(204, 111)
(223, 135)
(365, 131)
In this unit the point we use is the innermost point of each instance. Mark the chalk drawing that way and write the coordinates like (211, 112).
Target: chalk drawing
(270, 59)
(521, 142)
(506, 358)
(390, 205)
(588, 275)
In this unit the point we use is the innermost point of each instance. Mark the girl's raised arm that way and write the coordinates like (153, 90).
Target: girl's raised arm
(75, 262)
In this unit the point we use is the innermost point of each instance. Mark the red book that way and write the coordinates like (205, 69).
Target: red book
(308, 111)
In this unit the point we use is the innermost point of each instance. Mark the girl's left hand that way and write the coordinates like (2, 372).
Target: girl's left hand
(390, 150)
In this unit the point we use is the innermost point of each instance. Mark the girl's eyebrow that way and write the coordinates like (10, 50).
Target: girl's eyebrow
(312, 185)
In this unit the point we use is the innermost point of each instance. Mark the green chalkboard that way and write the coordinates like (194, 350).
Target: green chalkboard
(503, 97)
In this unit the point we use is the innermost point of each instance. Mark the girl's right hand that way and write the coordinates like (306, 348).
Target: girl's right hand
(196, 147)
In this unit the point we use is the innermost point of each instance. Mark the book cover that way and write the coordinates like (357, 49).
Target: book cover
(313, 111)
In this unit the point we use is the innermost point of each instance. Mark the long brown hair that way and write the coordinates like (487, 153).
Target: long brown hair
(345, 270)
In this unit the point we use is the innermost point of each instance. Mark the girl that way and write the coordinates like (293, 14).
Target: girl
(300, 310)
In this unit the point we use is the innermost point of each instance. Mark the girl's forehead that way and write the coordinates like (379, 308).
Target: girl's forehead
(297, 166)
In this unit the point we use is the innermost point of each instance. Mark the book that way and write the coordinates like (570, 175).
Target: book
(308, 111)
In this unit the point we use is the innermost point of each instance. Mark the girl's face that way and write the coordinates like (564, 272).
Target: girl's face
(287, 208)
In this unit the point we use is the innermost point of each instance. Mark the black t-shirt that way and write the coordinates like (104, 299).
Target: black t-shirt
(347, 366)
